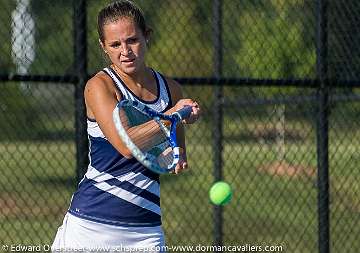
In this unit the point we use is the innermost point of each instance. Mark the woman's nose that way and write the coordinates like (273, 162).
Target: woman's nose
(126, 50)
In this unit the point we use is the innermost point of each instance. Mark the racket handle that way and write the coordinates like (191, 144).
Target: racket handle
(184, 113)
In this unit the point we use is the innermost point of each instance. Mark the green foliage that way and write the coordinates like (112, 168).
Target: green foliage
(271, 41)
(182, 44)
(343, 40)
(6, 63)
(53, 36)
(17, 112)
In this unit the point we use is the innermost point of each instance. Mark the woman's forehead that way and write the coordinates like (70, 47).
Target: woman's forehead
(120, 28)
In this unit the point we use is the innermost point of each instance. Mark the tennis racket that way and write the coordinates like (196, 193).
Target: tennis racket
(149, 135)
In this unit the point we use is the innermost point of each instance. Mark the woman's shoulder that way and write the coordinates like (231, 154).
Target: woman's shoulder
(100, 83)
(99, 80)
(100, 76)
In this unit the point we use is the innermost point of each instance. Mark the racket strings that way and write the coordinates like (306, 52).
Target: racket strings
(144, 132)
(147, 136)
(165, 158)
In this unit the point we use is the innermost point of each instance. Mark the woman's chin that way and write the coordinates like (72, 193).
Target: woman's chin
(129, 70)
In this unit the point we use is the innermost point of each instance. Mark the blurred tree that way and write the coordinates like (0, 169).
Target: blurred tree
(16, 112)
(182, 41)
(270, 40)
(54, 37)
(6, 63)
(344, 40)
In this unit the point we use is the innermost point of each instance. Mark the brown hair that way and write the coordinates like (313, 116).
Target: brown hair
(121, 9)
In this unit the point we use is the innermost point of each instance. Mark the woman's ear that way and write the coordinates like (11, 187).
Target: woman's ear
(148, 35)
(104, 53)
(102, 46)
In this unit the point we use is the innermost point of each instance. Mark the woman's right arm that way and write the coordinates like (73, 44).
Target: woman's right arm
(101, 99)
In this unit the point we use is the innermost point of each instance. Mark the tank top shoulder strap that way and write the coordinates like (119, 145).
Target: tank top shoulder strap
(164, 92)
(118, 83)
(163, 101)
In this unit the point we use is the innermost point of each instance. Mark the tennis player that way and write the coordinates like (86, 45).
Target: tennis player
(117, 203)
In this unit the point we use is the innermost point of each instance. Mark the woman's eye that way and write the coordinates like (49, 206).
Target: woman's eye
(115, 45)
(132, 40)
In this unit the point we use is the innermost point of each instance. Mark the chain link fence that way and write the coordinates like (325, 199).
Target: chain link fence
(278, 85)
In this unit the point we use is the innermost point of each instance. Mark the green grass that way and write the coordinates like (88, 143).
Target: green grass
(35, 188)
(267, 209)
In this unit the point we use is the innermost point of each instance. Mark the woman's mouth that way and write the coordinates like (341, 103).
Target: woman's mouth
(127, 61)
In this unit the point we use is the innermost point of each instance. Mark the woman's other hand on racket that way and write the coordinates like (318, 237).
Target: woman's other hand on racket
(182, 164)
(195, 114)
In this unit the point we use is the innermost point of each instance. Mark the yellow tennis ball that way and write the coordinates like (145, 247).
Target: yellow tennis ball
(220, 193)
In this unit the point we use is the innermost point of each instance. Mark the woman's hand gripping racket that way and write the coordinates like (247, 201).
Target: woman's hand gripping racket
(150, 136)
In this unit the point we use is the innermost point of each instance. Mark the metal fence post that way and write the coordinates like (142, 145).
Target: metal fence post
(323, 130)
(218, 115)
(80, 54)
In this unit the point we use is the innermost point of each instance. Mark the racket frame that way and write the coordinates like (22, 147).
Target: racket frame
(174, 119)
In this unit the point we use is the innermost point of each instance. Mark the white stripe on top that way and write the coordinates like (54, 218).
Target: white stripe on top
(128, 196)
(137, 179)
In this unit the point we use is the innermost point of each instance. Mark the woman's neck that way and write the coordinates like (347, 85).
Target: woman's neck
(139, 78)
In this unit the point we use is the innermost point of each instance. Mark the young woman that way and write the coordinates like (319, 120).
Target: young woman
(117, 203)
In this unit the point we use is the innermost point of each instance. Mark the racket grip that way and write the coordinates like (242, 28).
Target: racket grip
(184, 113)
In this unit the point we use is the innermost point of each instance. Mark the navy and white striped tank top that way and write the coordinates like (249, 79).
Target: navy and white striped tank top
(116, 190)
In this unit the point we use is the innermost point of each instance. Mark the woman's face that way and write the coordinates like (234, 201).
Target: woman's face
(125, 44)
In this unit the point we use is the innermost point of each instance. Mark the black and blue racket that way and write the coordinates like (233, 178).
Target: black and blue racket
(149, 135)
